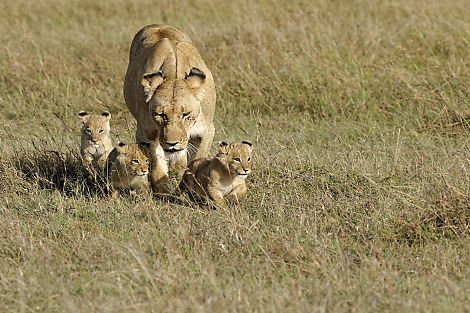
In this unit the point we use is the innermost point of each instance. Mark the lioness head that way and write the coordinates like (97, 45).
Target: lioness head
(134, 158)
(94, 127)
(237, 157)
(175, 106)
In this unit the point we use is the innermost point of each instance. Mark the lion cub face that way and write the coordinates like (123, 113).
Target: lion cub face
(133, 158)
(94, 128)
(237, 157)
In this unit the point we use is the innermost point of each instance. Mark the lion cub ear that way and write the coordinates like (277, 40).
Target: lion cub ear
(120, 146)
(150, 82)
(249, 144)
(82, 115)
(194, 80)
(223, 147)
(144, 145)
(106, 114)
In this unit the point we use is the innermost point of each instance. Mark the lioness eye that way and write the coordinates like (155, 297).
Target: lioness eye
(249, 159)
(100, 131)
(237, 159)
(162, 115)
(135, 161)
(146, 161)
(185, 115)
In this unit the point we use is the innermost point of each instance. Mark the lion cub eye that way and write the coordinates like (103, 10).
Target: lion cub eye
(185, 115)
(100, 131)
(237, 159)
(135, 161)
(249, 159)
(146, 161)
(88, 131)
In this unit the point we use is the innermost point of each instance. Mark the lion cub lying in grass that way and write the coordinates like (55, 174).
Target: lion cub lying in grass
(127, 167)
(222, 176)
(96, 143)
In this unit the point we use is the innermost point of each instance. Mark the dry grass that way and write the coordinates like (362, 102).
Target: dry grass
(359, 198)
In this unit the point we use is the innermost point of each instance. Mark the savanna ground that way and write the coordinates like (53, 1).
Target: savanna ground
(359, 198)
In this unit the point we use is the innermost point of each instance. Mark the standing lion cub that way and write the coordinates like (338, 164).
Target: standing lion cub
(222, 176)
(127, 167)
(96, 142)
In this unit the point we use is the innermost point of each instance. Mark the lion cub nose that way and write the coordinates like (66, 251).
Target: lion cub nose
(172, 143)
(94, 140)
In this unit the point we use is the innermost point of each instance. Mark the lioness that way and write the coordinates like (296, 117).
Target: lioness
(95, 142)
(170, 92)
(222, 176)
(127, 167)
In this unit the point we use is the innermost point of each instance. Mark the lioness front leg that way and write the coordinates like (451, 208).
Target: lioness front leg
(202, 143)
(159, 179)
(141, 136)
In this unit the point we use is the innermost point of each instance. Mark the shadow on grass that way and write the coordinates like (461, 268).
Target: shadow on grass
(65, 172)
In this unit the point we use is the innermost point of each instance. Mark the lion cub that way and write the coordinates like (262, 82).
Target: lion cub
(127, 167)
(221, 176)
(96, 143)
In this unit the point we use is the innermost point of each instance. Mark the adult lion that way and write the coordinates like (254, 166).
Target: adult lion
(170, 92)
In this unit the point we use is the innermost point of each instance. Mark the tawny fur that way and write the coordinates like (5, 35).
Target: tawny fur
(127, 167)
(96, 141)
(170, 92)
(222, 176)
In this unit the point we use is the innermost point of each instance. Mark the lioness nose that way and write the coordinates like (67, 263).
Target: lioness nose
(171, 143)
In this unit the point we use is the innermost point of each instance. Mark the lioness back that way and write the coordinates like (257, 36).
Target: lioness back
(95, 140)
(127, 167)
(222, 176)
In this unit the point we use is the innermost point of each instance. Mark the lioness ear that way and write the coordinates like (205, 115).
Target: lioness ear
(150, 82)
(194, 80)
(195, 72)
(223, 146)
(107, 115)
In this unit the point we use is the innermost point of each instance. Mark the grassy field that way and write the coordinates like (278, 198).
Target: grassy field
(359, 198)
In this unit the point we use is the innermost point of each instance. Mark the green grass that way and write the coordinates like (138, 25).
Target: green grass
(359, 198)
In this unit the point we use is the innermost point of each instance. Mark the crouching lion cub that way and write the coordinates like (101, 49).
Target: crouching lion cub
(222, 176)
(127, 167)
(96, 142)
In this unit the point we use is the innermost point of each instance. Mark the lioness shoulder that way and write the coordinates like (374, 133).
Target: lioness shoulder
(95, 140)
(127, 167)
(222, 176)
